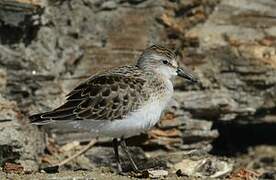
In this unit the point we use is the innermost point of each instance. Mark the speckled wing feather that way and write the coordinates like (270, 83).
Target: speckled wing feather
(106, 96)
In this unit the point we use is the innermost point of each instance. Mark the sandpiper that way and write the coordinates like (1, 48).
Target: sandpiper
(121, 102)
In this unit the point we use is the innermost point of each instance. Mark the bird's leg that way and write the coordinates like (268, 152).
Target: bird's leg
(125, 149)
(115, 146)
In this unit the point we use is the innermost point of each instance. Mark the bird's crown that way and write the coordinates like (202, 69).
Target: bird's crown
(160, 50)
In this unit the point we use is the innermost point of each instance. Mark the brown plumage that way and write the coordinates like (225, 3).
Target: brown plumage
(107, 96)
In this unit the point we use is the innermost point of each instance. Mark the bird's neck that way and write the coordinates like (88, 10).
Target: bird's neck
(158, 79)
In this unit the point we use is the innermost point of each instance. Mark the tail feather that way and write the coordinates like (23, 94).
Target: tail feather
(58, 114)
(36, 119)
(53, 116)
(64, 112)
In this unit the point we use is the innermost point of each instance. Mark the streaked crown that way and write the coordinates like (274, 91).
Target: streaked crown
(162, 51)
(154, 55)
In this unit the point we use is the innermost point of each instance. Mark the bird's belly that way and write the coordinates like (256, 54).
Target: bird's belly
(135, 122)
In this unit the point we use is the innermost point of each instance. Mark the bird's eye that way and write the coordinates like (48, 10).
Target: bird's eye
(165, 62)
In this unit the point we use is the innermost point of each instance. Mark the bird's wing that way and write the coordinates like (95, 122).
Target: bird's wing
(102, 97)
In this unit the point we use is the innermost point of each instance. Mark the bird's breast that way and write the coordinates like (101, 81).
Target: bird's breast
(150, 113)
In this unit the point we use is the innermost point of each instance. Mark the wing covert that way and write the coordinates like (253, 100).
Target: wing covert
(102, 97)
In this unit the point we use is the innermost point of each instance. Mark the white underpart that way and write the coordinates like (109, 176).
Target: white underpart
(134, 123)
(167, 71)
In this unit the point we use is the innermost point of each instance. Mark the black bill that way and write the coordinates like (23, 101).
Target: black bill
(184, 74)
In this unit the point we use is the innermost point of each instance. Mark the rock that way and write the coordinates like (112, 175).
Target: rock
(3, 80)
(109, 5)
(13, 168)
(237, 67)
(155, 174)
(203, 168)
(13, 14)
(19, 141)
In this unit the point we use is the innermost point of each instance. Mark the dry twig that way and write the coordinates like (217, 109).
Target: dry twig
(86, 148)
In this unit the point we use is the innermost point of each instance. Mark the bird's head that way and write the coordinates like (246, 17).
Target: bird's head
(162, 60)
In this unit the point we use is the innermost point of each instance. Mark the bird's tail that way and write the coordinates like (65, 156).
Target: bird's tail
(37, 119)
(62, 113)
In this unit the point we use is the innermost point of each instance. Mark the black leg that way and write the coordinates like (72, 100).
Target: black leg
(125, 149)
(115, 146)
